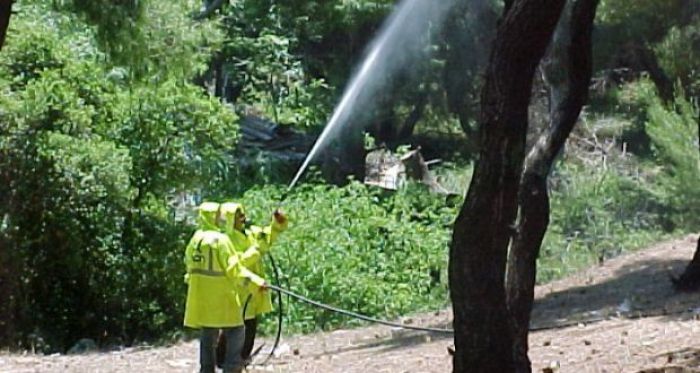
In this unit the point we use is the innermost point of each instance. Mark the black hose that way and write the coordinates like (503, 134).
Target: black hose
(357, 315)
(280, 311)
(257, 350)
(245, 306)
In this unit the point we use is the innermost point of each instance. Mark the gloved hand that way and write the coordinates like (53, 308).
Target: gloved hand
(280, 220)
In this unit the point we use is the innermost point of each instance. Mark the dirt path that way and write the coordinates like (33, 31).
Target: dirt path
(622, 316)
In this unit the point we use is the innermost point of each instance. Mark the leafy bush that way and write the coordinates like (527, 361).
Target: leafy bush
(679, 55)
(674, 134)
(621, 22)
(155, 39)
(359, 248)
(648, 19)
(88, 160)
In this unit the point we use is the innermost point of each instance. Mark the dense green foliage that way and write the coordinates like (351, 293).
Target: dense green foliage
(679, 55)
(281, 57)
(89, 157)
(641, 19)
(674, 134)
(359, 248)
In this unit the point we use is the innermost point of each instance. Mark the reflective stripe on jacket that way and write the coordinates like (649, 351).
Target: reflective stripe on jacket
(216, 278)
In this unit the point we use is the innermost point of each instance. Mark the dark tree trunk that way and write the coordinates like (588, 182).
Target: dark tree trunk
(482, 231)
(506, 5)
(5, 14)
(409, 125)
(568, 73)
(345, 157)
(690, 279)
(217, 67)
(8, 282)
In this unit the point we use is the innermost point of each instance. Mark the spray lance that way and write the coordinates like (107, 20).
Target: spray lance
(275, 269)
(320, 142)
(331, 128)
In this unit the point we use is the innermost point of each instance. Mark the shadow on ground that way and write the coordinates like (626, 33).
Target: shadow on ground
(397, 339)
(636, 290)
(631, 289)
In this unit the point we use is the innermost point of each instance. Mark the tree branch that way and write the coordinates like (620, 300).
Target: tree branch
(569, 72)
(482, 231)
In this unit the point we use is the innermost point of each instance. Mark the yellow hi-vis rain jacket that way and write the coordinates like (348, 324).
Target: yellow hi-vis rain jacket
(250, 245)
(217, 280)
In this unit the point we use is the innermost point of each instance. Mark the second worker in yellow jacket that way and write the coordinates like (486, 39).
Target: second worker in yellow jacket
(251, 244)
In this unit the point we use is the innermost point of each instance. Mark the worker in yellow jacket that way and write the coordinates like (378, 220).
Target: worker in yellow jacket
(217, 282)
(251, 244)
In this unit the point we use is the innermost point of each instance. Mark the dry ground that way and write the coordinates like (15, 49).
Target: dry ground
(620, 316)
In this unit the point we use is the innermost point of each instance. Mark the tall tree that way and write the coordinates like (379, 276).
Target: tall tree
(482, 231)
(568, 74)
(690, 279)
(7, 276)
(5, 13)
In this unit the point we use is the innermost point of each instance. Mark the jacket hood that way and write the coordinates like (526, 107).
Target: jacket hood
(208, 212)
(228, 211)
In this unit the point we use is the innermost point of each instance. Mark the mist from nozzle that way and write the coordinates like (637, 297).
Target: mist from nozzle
(400, 41)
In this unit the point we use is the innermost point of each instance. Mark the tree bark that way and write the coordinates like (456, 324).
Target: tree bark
(5, 14)
(345, 157)
(568, 74)
(690, 279)
(409, 125)
(482, 231)
(506, 5)
(8, 282)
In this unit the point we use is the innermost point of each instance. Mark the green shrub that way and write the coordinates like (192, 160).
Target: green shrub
(89, 158)
(679, 55)
(674, 134)
(360, 248)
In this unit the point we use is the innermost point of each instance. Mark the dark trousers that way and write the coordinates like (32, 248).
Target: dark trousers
(231, 357)
(251, 327)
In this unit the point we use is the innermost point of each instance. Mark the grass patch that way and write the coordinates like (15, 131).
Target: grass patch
(597, 214)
